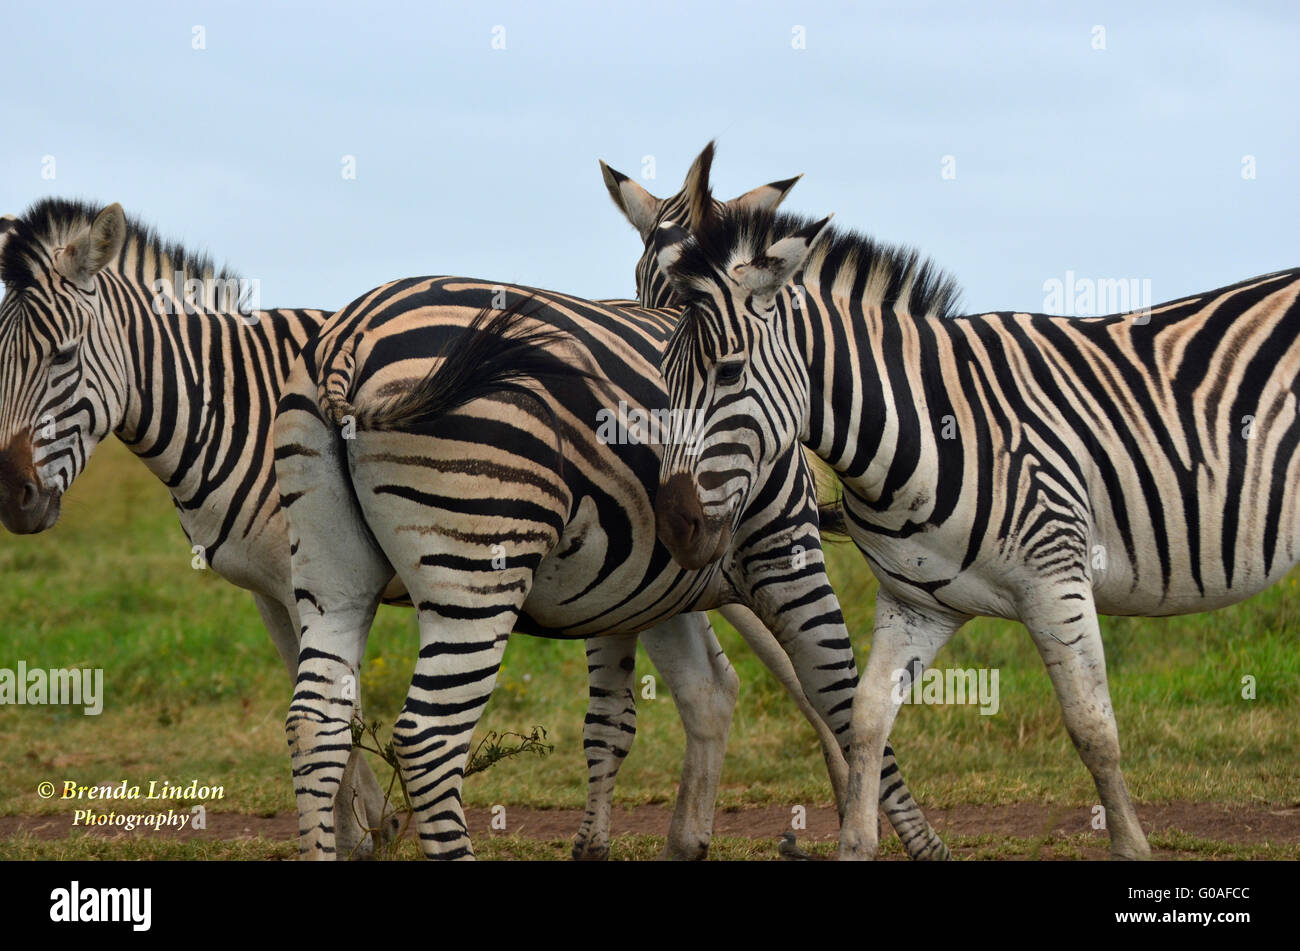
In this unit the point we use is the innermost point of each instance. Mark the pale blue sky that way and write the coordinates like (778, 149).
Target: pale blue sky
(1117, 163)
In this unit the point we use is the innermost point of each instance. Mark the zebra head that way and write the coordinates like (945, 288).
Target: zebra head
(688, 208)
(733, 373)
(54, 404)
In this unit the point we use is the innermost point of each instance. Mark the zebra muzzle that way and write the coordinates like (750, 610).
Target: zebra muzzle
(31, 509)
(681, 524)
(26, 507)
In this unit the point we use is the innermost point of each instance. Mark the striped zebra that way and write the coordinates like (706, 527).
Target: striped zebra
(1013, 465)
(98, 335)
(428, 432)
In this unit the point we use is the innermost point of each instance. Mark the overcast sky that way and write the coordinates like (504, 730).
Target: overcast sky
(1119, 162)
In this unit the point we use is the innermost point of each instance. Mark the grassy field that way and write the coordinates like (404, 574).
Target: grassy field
(194, 690)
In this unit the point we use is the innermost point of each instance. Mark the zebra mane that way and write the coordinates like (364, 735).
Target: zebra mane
(52, 222)
(897, 277)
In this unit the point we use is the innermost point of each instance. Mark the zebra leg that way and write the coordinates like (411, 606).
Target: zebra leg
(704, 686)
(607, 735)
(820, 656)
(1068, 637)
(812, 646)
(359, 791)
(319, 730)
(919, 839)
(768, 649)
(338, 575)
(903, 644)
(468, 598)
(453, 681)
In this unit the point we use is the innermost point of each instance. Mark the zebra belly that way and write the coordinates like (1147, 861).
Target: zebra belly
(1122, 587)
(581, 590)
(1173, 558)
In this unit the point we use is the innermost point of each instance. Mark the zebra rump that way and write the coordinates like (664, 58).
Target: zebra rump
(496, 352)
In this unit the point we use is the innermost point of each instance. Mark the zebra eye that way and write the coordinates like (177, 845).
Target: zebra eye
(730, 372)
(63, 356)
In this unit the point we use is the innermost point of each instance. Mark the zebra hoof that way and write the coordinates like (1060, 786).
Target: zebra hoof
(1131, 854)
(857, 848)
(695, 852)
(589, 850)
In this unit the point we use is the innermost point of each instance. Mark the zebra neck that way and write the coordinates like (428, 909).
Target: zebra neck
(866, 372)
(199, 401)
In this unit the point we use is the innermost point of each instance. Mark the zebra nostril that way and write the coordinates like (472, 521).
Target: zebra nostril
(689, 524)
(28, 497)
(697, 524)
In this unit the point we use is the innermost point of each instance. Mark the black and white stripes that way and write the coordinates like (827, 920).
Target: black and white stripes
(503, 509)
(106, 329)
(1014, 465)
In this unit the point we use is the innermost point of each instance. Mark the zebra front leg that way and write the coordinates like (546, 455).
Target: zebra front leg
(829, 671)
(1064, 627)
(766, 647)
(607, 735)
(815, 648)
(686, 652)
(904, 642)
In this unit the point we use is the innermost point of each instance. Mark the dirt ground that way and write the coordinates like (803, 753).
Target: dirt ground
(1238, 825)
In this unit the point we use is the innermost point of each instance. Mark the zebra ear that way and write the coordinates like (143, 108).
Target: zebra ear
(668, 245)
(764, 197)
(635, 202)
(86, 255)
(768, 273)
(699, 196)
(7, 224)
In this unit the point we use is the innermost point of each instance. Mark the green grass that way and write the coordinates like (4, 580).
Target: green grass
(195, 690)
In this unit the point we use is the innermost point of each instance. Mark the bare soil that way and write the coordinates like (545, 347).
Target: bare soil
(1228, 824)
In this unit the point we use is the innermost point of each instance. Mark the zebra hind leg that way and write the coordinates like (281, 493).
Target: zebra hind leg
(1068, 638)
(607, 735)
(455, 674)
(686, 652)
(338, 577)
(360, 794)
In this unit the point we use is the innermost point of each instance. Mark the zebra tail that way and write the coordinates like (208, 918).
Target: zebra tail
(831, 520)
(496, 352)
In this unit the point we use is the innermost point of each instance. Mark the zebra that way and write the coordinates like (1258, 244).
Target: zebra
(99, 333)
(986, 460)
(435, 432)
(98, 337)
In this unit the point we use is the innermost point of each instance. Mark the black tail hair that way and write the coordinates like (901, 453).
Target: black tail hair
(832, 523)
(831, 520)
(494, 354)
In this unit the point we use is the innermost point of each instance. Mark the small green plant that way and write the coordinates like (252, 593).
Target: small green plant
(491, 749)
